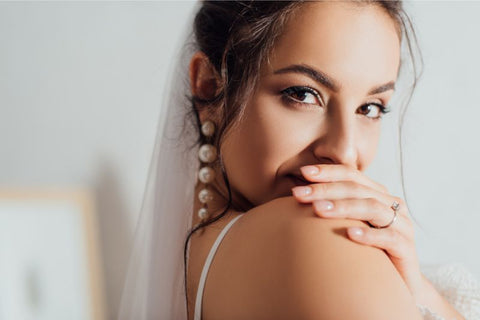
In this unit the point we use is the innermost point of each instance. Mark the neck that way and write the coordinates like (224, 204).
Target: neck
(220, 199)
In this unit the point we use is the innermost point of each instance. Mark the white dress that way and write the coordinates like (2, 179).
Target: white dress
(458, 286)
(453, 281)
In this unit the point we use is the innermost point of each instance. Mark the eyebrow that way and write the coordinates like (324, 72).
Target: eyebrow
(327, 81)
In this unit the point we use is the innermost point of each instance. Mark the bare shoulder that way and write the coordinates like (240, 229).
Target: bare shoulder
(281, 261)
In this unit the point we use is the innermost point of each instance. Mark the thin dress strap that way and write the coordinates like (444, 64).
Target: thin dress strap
(203, 276)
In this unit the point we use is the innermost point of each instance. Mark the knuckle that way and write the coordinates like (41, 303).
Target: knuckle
(321, 188)
(339, 206)
(376, 205)
(372, 237)
(383, 188)
(344, 208)
(355, 173)
(325, 170)
(395, 238)
(355, 186)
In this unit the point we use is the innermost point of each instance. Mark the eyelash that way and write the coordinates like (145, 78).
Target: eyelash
(286, 95)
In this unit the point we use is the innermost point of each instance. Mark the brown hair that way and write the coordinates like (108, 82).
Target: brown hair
(238, 37)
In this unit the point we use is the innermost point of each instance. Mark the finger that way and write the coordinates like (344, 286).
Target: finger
(401, 252)
(388, 239)
(339, 172)
(369, 209)
(338, 190)
(341, 190)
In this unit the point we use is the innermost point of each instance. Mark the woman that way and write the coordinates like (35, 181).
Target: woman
(287, 101)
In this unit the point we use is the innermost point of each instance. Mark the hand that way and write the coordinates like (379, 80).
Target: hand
(352, 195)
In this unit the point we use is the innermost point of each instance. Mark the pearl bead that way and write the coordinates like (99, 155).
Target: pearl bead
(207, 153)
(202, 213)
(206, 174)
(205, 195)
(208, 128)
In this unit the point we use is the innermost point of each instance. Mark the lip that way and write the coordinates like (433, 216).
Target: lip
(298, 180)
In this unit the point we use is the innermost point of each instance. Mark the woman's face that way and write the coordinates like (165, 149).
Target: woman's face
(317, 101)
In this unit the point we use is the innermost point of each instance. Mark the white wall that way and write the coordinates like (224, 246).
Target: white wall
(81, 85)
(441, 133)
(80, 91)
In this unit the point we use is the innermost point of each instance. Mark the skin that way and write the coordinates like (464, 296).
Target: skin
(335, 131)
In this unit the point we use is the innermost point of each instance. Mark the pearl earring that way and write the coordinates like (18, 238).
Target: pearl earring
(207, 154)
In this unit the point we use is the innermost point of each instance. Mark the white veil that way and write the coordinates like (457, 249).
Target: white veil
(154, 285)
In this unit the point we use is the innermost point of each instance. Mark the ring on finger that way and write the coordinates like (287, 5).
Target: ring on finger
(394, 206)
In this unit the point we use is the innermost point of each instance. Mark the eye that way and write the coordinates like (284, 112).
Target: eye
(374, 111)
(301, 95)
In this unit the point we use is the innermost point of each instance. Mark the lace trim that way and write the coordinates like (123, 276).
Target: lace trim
(458, 286)
(429, 314)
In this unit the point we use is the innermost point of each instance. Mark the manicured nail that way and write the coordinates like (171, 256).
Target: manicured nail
(355, 232)
(302, 191)
(309, 170)
(323, 205)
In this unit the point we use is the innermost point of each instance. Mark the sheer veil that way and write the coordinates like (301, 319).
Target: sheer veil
(154, 284)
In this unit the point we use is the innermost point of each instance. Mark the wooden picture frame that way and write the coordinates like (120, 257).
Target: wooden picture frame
(50, 262)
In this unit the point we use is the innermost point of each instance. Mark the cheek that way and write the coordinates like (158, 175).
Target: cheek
(255, 150)
(368, 145)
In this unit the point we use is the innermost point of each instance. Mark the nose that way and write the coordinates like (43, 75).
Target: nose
(337, 143)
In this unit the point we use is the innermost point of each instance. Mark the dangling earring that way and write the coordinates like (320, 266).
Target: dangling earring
(207, 154)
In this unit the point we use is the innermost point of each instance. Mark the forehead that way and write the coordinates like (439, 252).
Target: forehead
(357, 45)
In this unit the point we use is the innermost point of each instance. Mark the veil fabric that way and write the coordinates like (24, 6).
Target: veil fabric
(154, 284)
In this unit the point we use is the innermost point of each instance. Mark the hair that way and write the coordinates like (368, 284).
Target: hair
(238, 38)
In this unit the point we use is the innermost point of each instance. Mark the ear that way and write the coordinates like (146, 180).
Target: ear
(204, 80)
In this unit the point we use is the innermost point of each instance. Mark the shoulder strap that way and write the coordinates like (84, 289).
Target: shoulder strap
(203, 276)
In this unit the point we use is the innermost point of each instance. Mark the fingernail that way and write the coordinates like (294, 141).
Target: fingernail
(323, 205)
(301, 191)
(355, 232)
(309, 170)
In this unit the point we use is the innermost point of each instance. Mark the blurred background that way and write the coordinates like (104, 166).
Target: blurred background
(81, 87)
